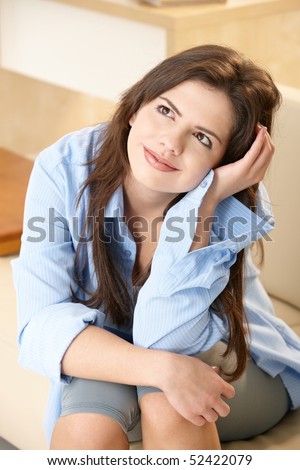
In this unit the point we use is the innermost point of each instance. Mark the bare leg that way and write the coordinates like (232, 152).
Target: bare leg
(163, 428)
(88, 431)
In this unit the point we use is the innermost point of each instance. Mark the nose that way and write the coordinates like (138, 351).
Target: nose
(171, 142)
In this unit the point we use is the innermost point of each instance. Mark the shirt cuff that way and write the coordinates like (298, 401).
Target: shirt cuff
(63, 322)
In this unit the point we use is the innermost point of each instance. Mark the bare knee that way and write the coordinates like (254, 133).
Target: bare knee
(88, 431)
(164, 428)
(156, 410)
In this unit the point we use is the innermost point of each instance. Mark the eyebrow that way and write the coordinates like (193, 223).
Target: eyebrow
(200, 128)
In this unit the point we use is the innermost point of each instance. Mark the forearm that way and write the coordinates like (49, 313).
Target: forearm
(100, 355)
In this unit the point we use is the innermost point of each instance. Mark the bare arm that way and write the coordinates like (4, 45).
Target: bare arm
(100, 355)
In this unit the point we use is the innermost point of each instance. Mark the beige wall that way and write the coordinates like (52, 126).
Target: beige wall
(102, 47)
(271, 39)
(77, 48)
(34, 113)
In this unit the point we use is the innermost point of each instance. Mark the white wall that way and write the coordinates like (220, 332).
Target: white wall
(76, 48)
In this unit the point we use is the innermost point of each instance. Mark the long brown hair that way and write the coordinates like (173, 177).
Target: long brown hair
(254, 98)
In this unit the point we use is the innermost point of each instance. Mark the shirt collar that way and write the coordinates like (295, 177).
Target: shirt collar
(115, 205)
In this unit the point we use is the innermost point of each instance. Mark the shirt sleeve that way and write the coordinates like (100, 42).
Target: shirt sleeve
(173, 310)
(273, 345)
(43, 274)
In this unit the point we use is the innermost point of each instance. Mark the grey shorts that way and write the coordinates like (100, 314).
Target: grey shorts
(259, 403)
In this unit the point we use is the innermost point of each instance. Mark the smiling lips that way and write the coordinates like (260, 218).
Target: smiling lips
(158, 162)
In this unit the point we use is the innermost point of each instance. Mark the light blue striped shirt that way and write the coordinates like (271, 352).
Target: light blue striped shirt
(173, 310)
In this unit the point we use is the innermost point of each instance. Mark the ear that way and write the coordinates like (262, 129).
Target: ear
(132, 119)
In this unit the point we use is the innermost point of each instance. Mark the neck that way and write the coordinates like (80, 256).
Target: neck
(144, 202)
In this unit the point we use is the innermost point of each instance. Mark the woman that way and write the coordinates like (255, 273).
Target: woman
(136, 290)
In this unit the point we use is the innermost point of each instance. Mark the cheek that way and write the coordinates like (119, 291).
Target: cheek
(130, 142)
(217, 161)
(132, 120)
(133, 146)
(195, 178)
(201, 168)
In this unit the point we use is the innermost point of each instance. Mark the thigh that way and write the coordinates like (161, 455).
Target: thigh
(117, 401)
(260, 401)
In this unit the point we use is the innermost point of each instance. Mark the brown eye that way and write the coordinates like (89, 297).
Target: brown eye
(203, 139)
(162, 109)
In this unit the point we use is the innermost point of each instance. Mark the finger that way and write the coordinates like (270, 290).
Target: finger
(211, 416)
(267, 142)
(270, 143)
(262, 162)
(228, 391)
(257, 145)
(259, 156)
(216, 369)
(222, 409)
(198, 420)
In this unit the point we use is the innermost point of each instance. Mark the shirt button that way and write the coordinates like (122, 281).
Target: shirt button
(127, 253)
(203, 184)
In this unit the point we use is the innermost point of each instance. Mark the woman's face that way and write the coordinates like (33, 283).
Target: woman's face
(178, 137)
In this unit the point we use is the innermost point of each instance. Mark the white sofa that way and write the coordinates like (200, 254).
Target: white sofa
(23, 394)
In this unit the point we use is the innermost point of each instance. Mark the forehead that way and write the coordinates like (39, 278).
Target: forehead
(195, 89)
(201, 101)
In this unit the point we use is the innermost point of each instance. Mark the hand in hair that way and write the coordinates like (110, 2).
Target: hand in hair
(249, 170)
(232, 178)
